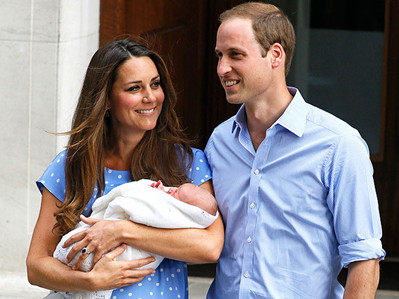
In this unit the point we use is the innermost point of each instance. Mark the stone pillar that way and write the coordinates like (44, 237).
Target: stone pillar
(45, 47)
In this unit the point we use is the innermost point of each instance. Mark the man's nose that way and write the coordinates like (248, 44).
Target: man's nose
(223, 66)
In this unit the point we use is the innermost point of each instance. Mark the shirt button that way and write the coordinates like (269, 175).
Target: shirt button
(252, 205)
(249, 240)
(256, 172)
(246, 274)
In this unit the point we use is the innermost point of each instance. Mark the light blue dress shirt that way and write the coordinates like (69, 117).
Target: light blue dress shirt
(296, 210)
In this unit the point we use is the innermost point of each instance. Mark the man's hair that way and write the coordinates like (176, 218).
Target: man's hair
(269, 24)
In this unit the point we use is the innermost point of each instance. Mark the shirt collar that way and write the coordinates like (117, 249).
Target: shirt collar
(293, 118)
(240, 119)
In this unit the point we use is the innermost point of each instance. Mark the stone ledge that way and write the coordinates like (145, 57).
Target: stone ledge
(14, 285)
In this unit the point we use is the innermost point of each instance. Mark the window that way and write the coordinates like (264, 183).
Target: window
(338, 60)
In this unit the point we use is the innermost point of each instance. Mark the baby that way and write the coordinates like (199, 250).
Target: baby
(191, 194)
(149, 203)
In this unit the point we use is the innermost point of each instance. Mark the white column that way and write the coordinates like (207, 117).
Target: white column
(45, 47)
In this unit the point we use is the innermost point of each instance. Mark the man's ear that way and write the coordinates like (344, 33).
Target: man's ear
(277, 54)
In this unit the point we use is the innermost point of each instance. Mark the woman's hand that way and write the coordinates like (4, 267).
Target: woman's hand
(110, 274)
(101, 237)
(47, 272)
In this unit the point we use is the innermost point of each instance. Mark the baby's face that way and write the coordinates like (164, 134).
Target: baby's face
(196, 196)
(184, 192)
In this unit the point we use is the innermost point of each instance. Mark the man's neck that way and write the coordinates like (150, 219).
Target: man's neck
(262, 114)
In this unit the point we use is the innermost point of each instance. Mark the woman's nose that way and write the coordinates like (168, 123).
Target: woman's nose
(149, 97)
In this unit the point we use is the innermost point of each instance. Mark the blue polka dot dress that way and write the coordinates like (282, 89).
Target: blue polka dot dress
(170, 279)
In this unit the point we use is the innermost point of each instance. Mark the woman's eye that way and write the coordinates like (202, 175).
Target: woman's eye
(156, 84)
(133, 88)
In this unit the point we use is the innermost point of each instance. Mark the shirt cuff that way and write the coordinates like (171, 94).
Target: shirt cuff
(361, 251)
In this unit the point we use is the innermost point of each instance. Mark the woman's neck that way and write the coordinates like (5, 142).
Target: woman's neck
(119, 156)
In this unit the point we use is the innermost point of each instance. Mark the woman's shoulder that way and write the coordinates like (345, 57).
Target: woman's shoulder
(199, 172)
(197, 151)
(53, 178)
(58, 162)
(183, 152)
(60, 157)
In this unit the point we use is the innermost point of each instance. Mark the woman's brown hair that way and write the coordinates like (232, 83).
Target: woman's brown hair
(163, 153)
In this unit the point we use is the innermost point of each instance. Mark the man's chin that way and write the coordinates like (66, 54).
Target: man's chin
(233, 99)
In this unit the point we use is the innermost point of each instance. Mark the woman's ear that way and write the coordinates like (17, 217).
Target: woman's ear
(278, 55)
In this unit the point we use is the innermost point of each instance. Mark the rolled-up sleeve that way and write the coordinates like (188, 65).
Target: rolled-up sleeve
(353, 201)
(360, 251)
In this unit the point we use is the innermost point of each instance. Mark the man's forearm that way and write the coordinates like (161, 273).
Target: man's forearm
(363, 279)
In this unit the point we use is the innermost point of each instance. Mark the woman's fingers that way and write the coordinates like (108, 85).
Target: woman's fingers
(120, 273)
(136, 276)
(94, 236)
(84, 255)
(132, 264)
(75, 238)
(111, 255)
(79, 247)
(133, 270)
(116, 252)
(139, 264)
(128, 277)
(89, 221)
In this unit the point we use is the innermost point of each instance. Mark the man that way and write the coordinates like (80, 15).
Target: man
(293, 183)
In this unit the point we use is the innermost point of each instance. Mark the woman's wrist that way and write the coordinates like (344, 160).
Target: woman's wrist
(125, 231)
(89, 283)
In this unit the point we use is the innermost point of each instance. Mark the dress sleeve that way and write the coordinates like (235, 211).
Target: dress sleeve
(53, 177)
(353, 201)
(199, 171)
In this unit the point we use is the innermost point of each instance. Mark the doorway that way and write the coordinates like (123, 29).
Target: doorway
(184, 33)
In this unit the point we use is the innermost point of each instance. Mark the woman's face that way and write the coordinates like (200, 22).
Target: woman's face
(136, 97)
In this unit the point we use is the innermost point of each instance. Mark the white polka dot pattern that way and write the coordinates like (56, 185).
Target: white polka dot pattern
(170, 278)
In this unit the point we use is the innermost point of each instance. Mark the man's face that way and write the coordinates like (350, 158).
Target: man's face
(244, 73)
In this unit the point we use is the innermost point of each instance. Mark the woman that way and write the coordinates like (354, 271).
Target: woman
(124, 128)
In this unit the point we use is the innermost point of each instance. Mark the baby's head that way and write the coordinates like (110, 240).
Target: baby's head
(197, 196)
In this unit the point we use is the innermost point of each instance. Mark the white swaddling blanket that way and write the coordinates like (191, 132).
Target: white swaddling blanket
(139, 202)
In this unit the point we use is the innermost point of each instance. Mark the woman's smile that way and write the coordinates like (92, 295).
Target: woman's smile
(137, 96)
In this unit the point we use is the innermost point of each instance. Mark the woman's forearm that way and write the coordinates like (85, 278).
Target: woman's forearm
(107, 274)
(190, 245)
(48, 273)
(43, 270)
